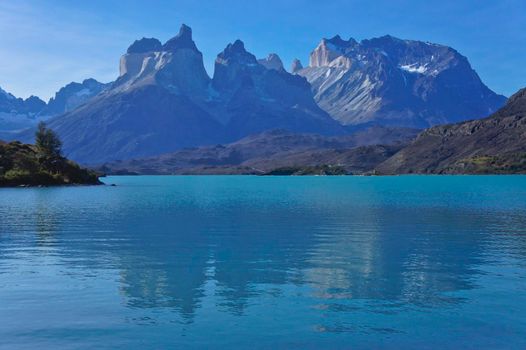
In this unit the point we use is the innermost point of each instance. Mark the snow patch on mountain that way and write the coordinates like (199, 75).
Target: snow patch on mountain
(396, 82)
(414, 68)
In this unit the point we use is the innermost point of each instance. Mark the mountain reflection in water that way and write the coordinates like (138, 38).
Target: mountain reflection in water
(302, 255)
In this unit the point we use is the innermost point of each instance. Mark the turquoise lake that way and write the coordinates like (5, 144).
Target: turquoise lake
(236, 262)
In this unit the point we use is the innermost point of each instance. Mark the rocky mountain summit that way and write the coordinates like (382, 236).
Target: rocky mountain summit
(164, 100)
(177, 66)
(17, 114)
(253, 97)
(296, 66)
(73, 95)
(390, 81)
(272, 61)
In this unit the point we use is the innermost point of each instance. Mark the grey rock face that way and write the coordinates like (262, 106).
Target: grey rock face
(164, 101)
(177, 66)
(296, 66)
(272, 62)
(183, 40)
(145, 45)
(16, 113)
(144, 121)
(390, 81)
(73, 95)
(256, 98)
(10, 104)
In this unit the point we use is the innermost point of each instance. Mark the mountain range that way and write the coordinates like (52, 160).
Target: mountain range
(493, 145)
(390, 81)
(164, 100)
(17, 114)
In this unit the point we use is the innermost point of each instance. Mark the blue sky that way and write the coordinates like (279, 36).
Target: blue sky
(47, 44)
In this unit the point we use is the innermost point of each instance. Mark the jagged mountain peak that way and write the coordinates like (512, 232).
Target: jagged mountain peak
(236, 52)
(329, 50)
(35, 102)
(17, 113)
(396, 81)
(6, 94)
(338, 42)
(296, 66)
(233, 63)
(183, 40)
(165, 101)
(73, 95)
(237, 46)
(145, 45)
(272, 61)
(177, 65)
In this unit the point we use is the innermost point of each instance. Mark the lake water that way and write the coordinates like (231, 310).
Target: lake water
(407, 262)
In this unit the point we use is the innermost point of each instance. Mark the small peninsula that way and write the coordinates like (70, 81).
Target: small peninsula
(41, 164)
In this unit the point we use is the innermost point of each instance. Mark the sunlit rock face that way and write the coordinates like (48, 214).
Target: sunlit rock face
(296, 66)
(164, 100)
(396, 82)
(73, 95)
(177, 65)
(272, 61)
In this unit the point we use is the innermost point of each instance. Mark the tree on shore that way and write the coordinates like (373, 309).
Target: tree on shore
(49, 147)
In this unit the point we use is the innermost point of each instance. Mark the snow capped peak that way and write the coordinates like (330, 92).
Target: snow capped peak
(272, 62)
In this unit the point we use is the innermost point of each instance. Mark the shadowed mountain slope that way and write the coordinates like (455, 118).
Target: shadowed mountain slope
(496, 144)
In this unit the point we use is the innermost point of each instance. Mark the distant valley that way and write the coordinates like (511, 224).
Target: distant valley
(262, 153)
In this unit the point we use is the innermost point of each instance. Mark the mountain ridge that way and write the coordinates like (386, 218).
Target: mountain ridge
(491, 145)
(164, 100)
(176, 104)
(391, 81)
(259, 153)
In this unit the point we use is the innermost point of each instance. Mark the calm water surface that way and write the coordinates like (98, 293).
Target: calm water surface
(265, 262)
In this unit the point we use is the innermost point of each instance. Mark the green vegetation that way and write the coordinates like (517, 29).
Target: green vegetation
(41, 164)
(510, 163)
(309, 170)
